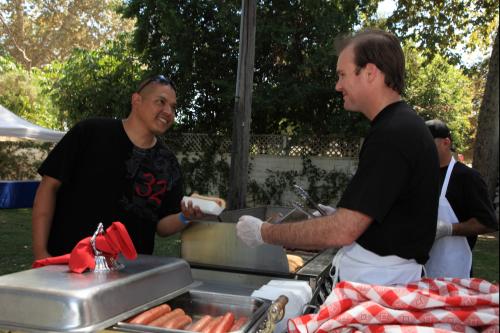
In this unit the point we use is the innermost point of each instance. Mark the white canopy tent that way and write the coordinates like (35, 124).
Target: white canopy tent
(13, 126)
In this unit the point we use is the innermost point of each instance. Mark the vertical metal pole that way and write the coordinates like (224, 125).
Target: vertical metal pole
(238, 178)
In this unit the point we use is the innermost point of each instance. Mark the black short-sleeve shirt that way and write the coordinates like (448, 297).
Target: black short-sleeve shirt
(105, 178)
(468, 196)
(397, 184)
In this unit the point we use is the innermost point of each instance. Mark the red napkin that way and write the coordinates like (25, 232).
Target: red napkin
(114, 241)
(64, 259)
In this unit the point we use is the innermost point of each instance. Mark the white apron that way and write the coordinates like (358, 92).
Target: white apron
(450, 256)
(357, 264)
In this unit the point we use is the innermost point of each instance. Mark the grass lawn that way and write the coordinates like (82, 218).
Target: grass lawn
(15, 241)
(16, 255)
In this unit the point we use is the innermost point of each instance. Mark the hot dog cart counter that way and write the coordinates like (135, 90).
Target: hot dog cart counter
(52, 299)
(217, 274)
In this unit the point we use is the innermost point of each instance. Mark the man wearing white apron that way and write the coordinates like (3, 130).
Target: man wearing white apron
(386, 219)
(451, 254)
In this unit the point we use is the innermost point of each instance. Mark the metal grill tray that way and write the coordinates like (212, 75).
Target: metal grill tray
(53, 299)
(197, 303)
(214, 244)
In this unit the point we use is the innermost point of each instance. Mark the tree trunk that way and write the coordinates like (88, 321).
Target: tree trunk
(238, 178)
(486, 146)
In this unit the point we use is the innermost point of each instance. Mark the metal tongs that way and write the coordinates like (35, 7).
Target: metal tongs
(304, 195)
(298, 207)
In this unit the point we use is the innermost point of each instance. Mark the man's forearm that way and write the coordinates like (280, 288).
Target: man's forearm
(42, 215)
(41, 226)
(169, 225)
(471, 227)
(339, 229)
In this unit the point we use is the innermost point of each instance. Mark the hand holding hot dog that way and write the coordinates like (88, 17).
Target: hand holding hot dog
(197, 206)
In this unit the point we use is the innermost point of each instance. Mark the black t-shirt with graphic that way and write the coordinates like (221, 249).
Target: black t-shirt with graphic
(105, 178)
(397, 184)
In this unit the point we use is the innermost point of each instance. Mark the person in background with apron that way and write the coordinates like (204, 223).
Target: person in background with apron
(386, 219)
(465, 211)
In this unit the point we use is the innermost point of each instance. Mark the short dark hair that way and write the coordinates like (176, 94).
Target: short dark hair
(380, 48)
(161, 79)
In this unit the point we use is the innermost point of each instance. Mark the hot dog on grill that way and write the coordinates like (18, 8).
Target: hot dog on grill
(200, 324)
(150, 315)
(211, 325)
(294, 262)
(159, 322)
(178, 322)
(225, 324)
(238, 324)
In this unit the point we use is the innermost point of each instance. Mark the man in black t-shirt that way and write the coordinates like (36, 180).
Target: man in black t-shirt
(106, 170)
(465, 210)
(386, 219)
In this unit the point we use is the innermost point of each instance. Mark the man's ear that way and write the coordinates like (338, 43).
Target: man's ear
(448, 142)
(372, 71)
(136, 98)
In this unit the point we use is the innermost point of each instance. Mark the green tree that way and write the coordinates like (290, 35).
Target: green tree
(36, 32)
(439, 90)
(28, 93)
(196, 43)
(439, 27)
(296, 68)
(98, 83)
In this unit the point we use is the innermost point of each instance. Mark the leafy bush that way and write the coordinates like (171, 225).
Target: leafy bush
(323, 186)
(19, 160)
(27, 94)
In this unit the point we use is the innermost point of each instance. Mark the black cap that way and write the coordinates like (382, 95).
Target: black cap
(438, 129)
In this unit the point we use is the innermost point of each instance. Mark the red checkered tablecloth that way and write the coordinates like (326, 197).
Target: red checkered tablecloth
(426, 306)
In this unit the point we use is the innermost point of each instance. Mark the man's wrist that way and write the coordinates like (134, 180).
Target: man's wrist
(183, 219)
(262, 228)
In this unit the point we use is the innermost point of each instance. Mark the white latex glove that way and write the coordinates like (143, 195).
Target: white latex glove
(248, 230)
(443, 229)
(329, 210)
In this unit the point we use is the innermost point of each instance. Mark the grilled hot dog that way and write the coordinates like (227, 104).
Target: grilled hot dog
(150, 315)
(159, 322)
(238, 324)
(178, 322)
(200, 324)
(225, 324)
(211, 325)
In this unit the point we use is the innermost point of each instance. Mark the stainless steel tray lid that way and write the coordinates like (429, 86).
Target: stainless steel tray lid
(53, 299)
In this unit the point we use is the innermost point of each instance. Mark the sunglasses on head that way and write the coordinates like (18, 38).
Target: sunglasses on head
(158, 79)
